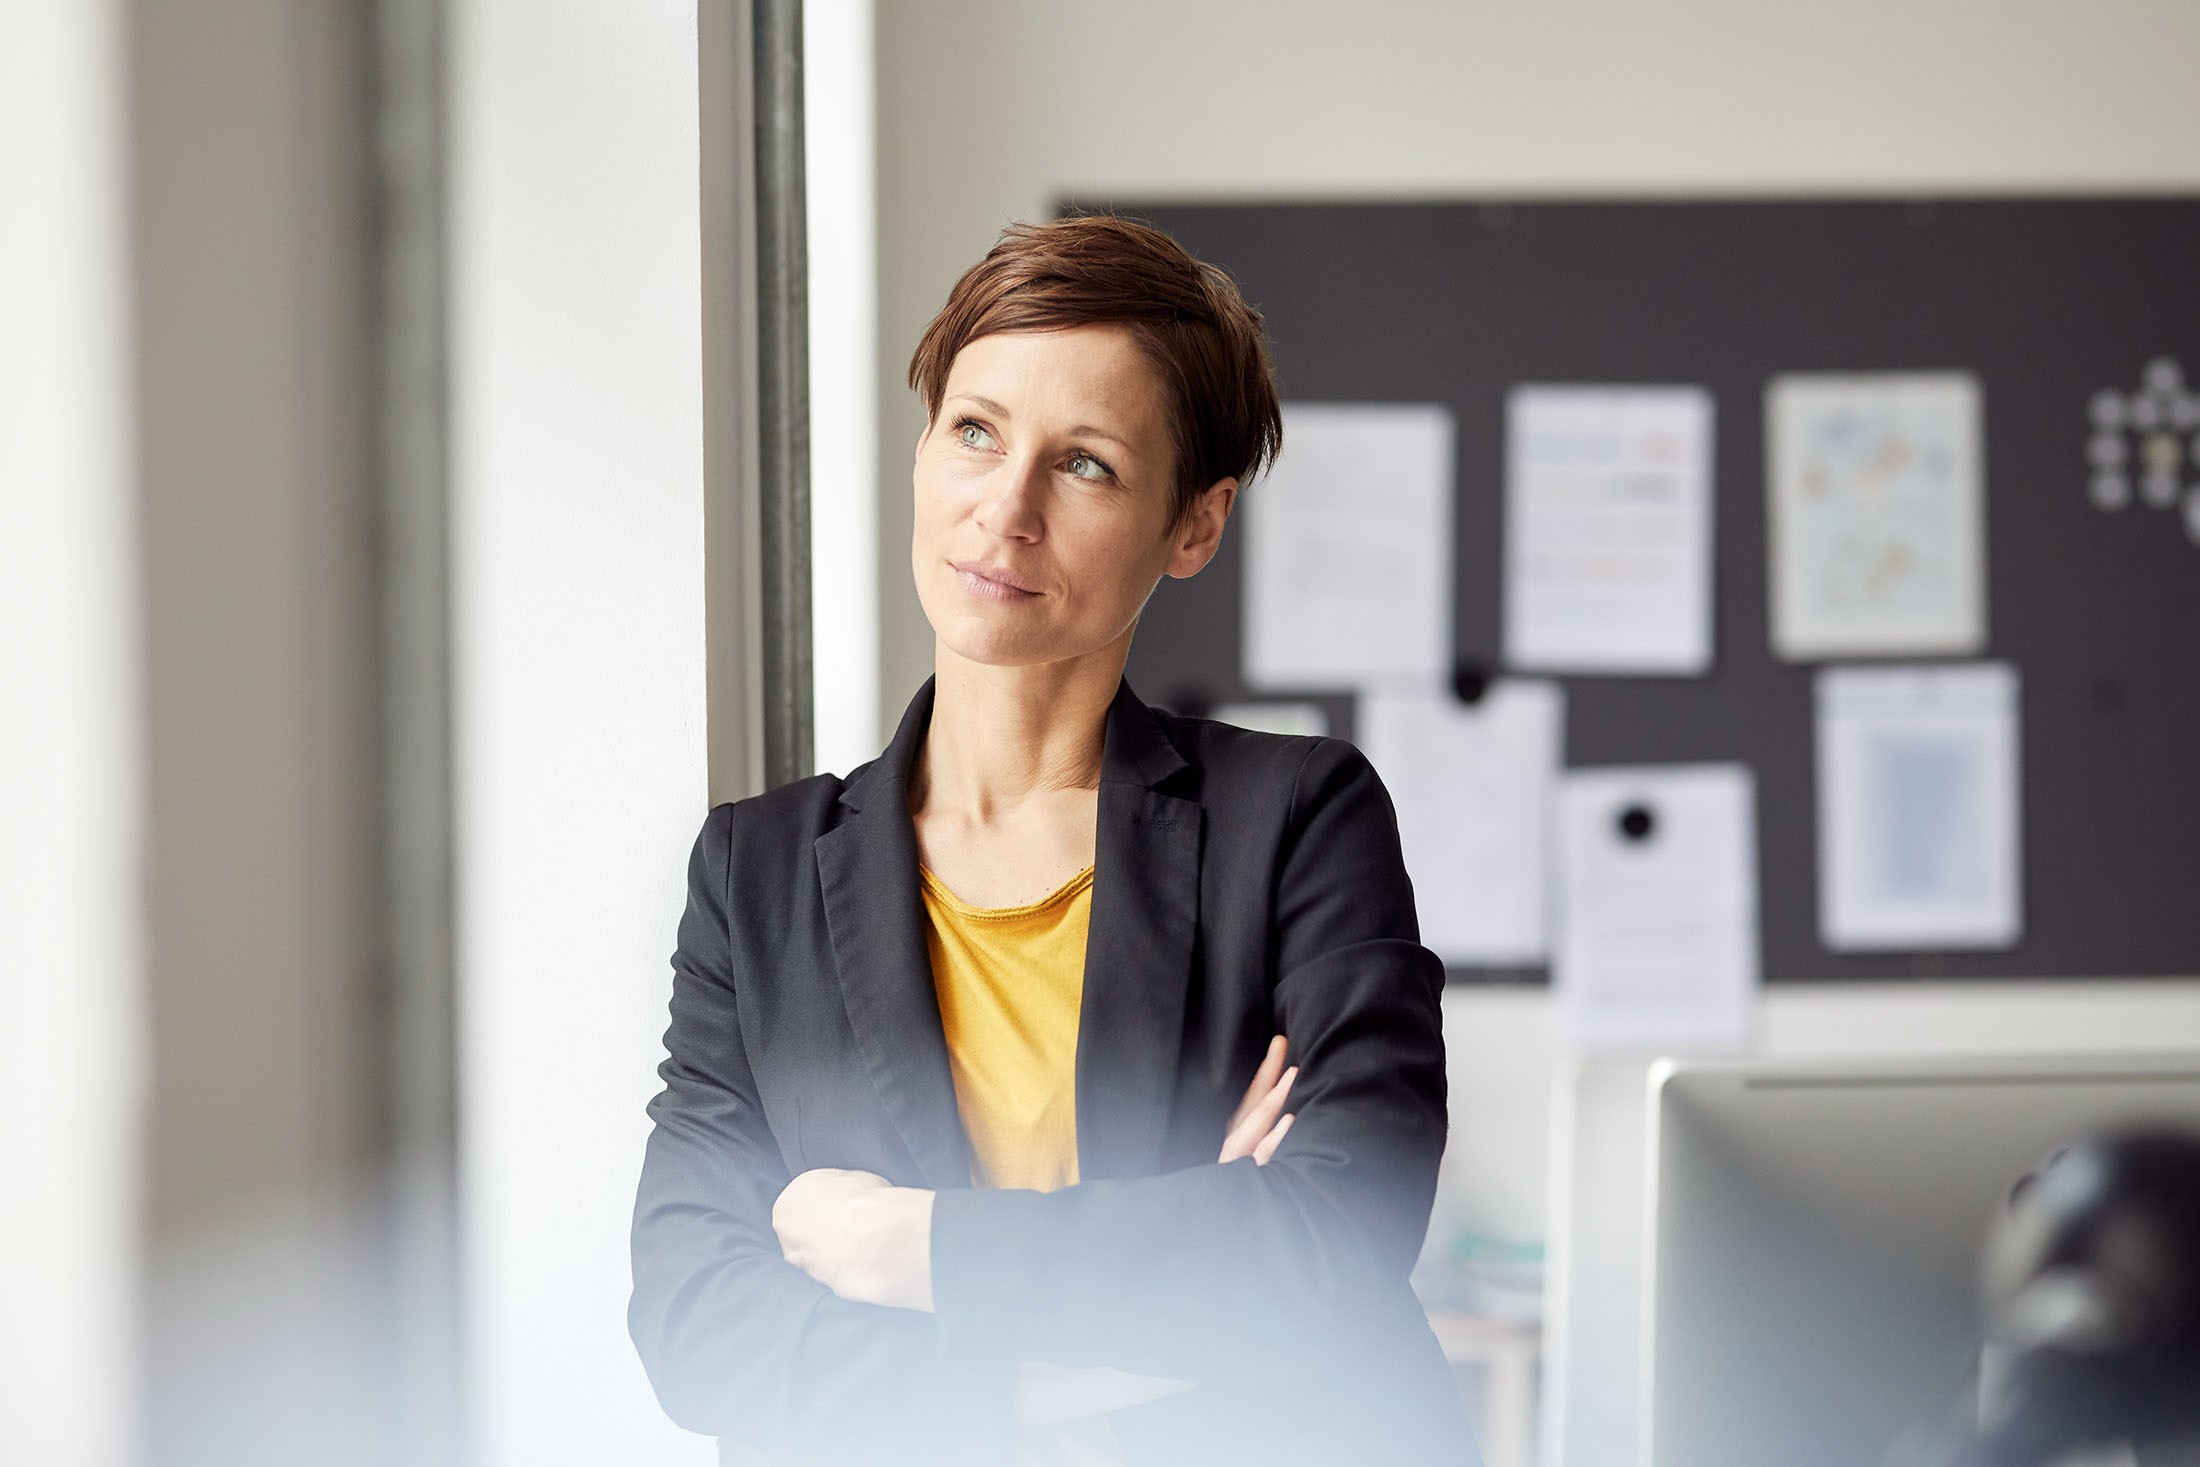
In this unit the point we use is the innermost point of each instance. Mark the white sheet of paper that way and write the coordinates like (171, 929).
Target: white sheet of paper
(1657, 943)
(1608, 529)
(1472, 785)
(1276, 716)
(1919, 844)
(1348, 549)
(1875, 509)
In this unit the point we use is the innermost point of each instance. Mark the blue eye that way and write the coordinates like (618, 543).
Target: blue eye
(972, 434)
(1098, 470)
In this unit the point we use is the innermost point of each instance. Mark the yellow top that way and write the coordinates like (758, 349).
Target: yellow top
(1009, 981)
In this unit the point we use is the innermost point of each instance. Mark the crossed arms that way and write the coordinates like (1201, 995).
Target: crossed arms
(1213, 1271)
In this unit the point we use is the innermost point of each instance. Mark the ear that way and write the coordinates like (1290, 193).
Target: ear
(1196, 540)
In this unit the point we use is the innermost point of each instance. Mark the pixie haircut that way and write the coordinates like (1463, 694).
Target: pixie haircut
(1188, 317)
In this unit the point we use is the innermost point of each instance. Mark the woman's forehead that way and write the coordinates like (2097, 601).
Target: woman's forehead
(1093, 377)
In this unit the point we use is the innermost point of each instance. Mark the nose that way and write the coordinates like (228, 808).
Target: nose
(1014, 503)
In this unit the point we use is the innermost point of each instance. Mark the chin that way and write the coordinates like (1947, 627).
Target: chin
(982, 639)
(996, 651)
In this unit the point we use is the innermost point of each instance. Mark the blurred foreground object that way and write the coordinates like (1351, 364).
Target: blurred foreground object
(2091, 1289)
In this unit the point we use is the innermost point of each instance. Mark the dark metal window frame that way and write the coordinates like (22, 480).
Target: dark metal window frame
(783, 391)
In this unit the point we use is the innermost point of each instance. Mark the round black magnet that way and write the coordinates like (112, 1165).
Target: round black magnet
(1470, 682)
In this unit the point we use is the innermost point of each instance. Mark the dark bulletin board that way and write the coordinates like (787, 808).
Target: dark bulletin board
(2046, 301)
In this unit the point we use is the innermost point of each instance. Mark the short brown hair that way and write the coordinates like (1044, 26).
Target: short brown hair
(1187, 316)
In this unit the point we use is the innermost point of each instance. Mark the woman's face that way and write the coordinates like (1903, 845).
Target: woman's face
(1043, 497)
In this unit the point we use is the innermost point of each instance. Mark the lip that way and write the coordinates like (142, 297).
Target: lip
(995, 581)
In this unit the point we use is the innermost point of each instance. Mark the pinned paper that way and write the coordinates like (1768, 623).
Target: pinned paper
(1608, 529)
(1348, 550)
(1876, 487)
(1657, 943)
(1918, 820)
(1472, 784)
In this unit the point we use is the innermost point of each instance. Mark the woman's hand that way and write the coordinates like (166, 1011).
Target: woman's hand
(870, 1241)
(1254, 1130)
(859, 1235)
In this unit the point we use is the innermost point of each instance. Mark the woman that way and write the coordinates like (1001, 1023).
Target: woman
(934, 1172)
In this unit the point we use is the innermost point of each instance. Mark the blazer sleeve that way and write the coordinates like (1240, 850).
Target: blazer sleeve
(1229, 1270)
(738, 1342)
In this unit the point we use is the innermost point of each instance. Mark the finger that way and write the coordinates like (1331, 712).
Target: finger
(1267, 1147)
(1261, 1116)
(1264, 1112)
(1264, 1079)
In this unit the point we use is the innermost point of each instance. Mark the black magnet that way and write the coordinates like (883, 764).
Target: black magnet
(1470, 681)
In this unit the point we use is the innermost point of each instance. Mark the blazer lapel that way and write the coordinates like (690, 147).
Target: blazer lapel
(1138, 949)
(867, 867)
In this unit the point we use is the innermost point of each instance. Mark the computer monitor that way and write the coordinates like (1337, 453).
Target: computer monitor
(1814, 1237)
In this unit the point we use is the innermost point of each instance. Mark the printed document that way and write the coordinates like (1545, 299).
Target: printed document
(1348, 550)
(1472, 784)
(1608, 529)
(1657, 944)
(1919, 843)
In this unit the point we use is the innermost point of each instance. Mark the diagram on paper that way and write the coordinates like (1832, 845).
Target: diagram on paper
(1876, 488)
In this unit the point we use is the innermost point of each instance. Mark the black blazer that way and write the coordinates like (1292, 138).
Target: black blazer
(1246, 883)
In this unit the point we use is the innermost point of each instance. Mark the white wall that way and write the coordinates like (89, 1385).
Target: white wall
(71, 945)
(578, 417)
(992, 110)
(841, 178)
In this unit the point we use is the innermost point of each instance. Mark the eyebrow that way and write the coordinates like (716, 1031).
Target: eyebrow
(1082, 430)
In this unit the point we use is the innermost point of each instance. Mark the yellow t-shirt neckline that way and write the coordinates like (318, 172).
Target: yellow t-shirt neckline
(1010, 984)
(961, 908)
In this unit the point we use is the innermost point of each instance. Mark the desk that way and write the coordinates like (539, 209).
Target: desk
(1507, 1351)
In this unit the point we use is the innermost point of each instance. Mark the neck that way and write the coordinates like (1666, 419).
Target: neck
(1002, 737)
